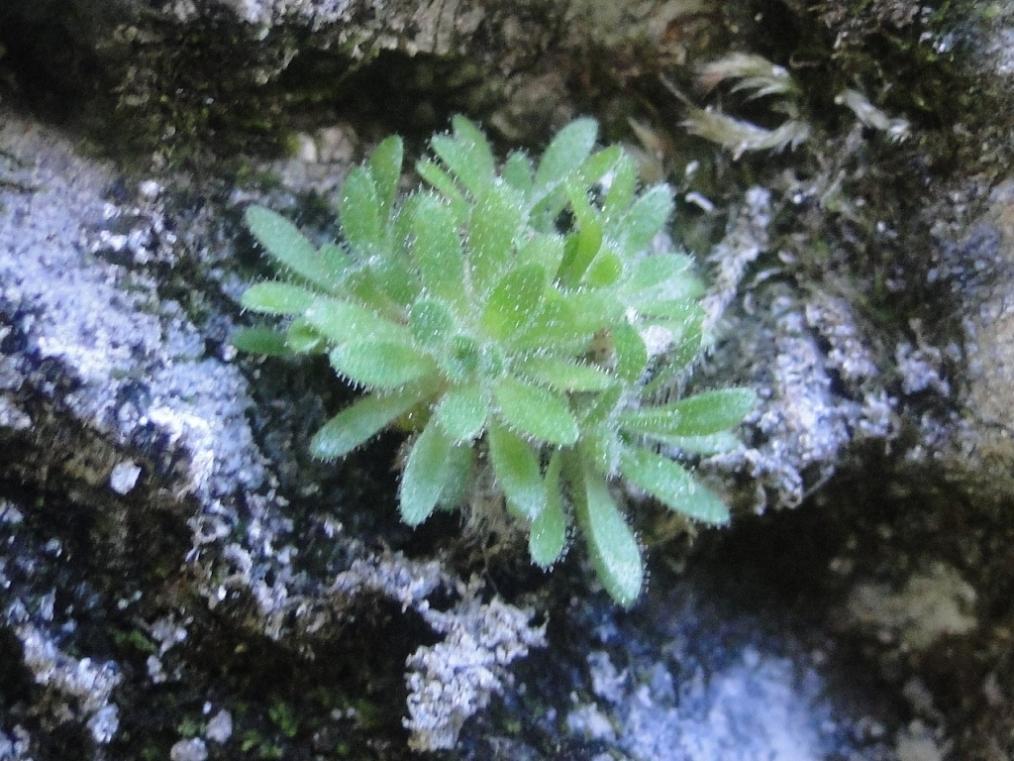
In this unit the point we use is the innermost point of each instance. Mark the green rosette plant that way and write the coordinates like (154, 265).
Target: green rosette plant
(515, 319)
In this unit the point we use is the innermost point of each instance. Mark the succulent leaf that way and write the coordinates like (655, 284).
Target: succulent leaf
(517, 471)
(565, 375)
(535, 411)
(700, 415)
(548, 535)
(360, 212)
(362, 420)
(495, 221)
(566, 152)
(385, 167)
(611, 543)
(518, 171)
(261, 340)
(436, 248)
(288, 246)
(631, 353)
(343, 321)
(426, 474)
(380, 364)
(274, 297)
(514, 301)
(673, 486)
(462, 412)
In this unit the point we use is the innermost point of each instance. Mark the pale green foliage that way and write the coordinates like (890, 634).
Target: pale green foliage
(503, 315)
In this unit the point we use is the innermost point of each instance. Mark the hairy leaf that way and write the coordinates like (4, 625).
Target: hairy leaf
(620, 194)
(566, 152)
(437, 249)
(469, 162)
(714, 443)
(518, 172)
(699, 415)
(288, 246)
(543, 249)
(476, 150)
(343, 321)
(335, 260)
(651, 275)
(584, 243)
(460, 361)
(565, 374)
(535, 411)
(646, 218)
(495, 222)
(381, 364)
(598, 164)
(514, 301)
(431, 172)
(460, 476)
(274, 297)
(431, 322)
(673, 486)
(516, 467)
(548, 535)
(425, 477)
(605, 269)
(611, 543)
(261, 340)
(462, 412)
(362, 420)
(302, 338)
(360, 212)
(385, 167)
(631, 353)
(555, 324)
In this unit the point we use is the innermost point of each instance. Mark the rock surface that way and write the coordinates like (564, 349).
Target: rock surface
(179, 580)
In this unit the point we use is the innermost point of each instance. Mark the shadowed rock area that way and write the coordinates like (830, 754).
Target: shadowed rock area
(180, 579)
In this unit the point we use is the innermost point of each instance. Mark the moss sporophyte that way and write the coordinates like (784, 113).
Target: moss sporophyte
(501, 313)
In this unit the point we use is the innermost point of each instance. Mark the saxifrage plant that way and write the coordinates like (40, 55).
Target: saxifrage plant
(516, 320)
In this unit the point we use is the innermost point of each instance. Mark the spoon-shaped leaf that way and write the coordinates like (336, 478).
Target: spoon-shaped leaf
(517, 471)
(362, 420)
(495, 222)
(673, 486)
(514, 302)
(360, 212)
(700, 415)
(566, 152)
(548, 534)
(611, 543)
(261, 340)
(436, 248)
(385, 167)
(565, 374)
(462, 412)
(535, 411)
(425, 476)
(283, 242)
(343, 321)
(380, 364)
(273, 297)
